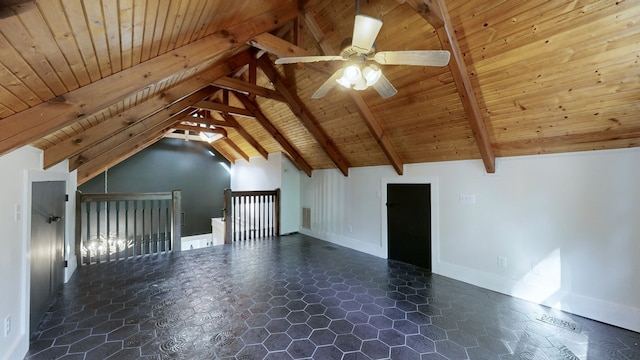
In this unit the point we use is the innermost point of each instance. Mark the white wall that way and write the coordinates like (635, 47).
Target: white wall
(257, 174)
(276, 172)
(290, 210)
(19, 169)
(566, 224)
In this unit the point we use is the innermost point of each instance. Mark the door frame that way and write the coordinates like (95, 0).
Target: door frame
(32, 176)
(435, 216)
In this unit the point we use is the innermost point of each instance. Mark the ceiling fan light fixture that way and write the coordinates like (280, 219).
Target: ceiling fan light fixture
(360, 85)
(344, 82)
(372, 74)
(352, 74)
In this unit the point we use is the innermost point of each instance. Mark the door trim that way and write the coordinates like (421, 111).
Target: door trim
(32, 176)
(435, 237)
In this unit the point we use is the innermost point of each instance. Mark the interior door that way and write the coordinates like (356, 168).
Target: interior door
(409, 223)
(47, 246)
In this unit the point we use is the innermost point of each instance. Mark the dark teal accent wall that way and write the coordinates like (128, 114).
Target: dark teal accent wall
(172, 164)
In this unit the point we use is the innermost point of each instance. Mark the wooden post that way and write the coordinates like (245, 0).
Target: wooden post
(176, 220)
(228, 220)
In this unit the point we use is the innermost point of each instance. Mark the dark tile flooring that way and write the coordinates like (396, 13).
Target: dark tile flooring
(297, 297)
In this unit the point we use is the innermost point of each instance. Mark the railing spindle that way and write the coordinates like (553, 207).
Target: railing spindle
(151, 244)
(126, 229)
(87, 244)
(99, 252)
(136, 251)
(107, 223)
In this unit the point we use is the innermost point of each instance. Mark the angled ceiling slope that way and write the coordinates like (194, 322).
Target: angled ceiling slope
(95, 82)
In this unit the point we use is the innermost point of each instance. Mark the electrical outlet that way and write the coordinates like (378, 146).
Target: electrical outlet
(502, 262)
(7, 326)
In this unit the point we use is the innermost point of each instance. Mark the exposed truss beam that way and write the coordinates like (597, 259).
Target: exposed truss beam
(36, 122)
(295, 156)
(305, 116)
(222, 108)
(282, 48)
(237, 149)
(198, 129)
(127, 118)
(102, 149)
(186, 136)
(245, 135)
(223, 152)
(128, 148)
(246, 88)
(436, 13)
(211, 122)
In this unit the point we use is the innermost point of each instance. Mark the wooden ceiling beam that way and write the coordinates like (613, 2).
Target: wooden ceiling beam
(306, 118)
(318, 34)
(224, 153)
(282, 48)
(436, 13)
(247, 88)
(36, 122)
(211, 122)
(245, 135)
(373, 124)
(128, 148)
(237, 149)
(107, 128)
(198, 129)
(295, 156)
(222, 108)
(101, 148)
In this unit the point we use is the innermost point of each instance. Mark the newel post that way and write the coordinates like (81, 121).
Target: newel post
(176, 220)
(227, 218)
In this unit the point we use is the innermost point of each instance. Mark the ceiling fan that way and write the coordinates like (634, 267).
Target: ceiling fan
(359, 75)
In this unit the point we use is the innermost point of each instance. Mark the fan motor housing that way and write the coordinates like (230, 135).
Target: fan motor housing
(349, 51)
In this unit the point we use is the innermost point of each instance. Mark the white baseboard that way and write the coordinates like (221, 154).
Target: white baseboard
(347, 242)
(611, 313)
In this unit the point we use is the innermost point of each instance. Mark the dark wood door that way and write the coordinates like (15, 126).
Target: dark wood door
(409, 223)
(47, 245)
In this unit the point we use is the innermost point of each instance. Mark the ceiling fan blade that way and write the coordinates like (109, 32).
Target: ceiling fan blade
(384, 87)
(415, 57)
(306, 59)
(328, 85)
(365, 31)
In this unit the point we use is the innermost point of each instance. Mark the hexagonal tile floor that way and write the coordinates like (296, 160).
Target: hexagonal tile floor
(298, 297)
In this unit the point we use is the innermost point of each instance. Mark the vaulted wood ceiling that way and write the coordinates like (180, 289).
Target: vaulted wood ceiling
(97, 81)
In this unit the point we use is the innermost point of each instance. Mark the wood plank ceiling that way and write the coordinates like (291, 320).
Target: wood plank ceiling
(97, 81)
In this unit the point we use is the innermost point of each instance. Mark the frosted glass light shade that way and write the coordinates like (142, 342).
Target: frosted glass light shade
(352, 74)
(344, 82)
(372, 74)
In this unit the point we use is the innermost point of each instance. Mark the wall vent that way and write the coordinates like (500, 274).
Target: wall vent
(561, 323)
(306, 218)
